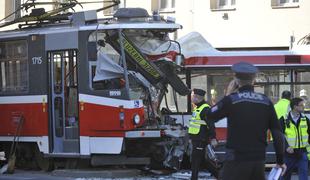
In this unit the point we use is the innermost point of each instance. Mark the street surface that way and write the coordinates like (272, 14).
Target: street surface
(125, 174)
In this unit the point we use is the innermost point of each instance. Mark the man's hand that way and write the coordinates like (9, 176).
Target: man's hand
(213, 142)
(283, 167)
(290, 150)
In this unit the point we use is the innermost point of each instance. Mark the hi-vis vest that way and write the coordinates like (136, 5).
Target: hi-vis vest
(308, 150)
(282, 108)
(297, 137)
(196, 122)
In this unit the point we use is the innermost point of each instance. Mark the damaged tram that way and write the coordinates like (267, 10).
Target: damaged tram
(85, 88)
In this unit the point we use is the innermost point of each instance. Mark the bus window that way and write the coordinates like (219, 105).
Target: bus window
(13, 67)
(302, 87)
(213, 81)
(272, 82)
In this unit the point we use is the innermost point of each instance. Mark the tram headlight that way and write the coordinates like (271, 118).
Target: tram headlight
(136, 119)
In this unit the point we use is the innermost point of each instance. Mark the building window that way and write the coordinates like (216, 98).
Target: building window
(284, 3)
(110, 11)
(225, 3)
(166, 5)
(222, 4)
(11, 6)
(13, 67)
(287, 1)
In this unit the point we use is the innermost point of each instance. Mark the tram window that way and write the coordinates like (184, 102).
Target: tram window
(102, 47)
(108, 84)
(58, 116)
(2, 50)
(57, 73)
(13, 67)
(180, 103)
(136, 90)
(108, 55)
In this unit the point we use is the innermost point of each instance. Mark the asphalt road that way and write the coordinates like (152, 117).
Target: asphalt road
(123, 174)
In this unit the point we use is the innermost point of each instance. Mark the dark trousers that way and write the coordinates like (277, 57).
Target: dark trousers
(243, 170)
(301, 162)
(198, 153)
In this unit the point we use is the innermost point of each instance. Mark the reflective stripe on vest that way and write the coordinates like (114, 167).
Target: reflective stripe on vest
(196, 122)
(297, 137)
(308, 150)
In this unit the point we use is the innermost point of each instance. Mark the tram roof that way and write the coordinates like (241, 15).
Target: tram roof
(51, 29)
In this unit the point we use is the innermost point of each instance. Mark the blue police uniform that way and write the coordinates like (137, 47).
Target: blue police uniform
(200, 140)
(249, 116)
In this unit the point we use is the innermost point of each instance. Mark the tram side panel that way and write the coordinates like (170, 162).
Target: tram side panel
(23, 92)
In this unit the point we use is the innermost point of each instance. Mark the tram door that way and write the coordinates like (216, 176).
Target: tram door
(64, 126)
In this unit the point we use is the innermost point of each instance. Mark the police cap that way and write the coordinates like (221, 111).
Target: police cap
(199, 92)
(244, 70)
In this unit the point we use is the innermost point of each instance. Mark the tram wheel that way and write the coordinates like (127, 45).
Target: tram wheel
(45, 164)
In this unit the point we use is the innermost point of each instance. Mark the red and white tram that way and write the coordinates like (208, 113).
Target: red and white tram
(85, 88)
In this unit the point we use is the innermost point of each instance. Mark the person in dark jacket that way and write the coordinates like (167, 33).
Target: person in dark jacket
(249, 116)
(200, 133)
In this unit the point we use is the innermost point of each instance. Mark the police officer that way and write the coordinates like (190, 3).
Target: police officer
(200, 132)
(296, 128)
(282, 107)
(249, 116)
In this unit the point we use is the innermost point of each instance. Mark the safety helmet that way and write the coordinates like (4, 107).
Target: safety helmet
(302, 92)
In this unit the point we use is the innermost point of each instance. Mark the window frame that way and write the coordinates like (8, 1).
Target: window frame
(16, 67)
(289, 4)
(292, 84)
(229, 5)
(169, 8)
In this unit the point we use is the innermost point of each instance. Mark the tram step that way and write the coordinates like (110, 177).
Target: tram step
(71, 145)
(72, 132)
(100, 160)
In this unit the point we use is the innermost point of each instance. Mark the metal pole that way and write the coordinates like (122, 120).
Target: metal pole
(121, 39)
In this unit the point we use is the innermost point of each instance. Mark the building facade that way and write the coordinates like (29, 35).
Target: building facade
(226, 24)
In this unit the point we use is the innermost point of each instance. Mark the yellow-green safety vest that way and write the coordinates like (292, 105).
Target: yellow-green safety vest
(282, 108)
(297, 137)
(308, 151)
(196, 122)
